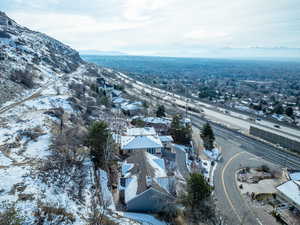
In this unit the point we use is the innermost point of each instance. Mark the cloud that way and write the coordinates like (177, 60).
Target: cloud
(72, 23)
(161, 25)
(141, 10)
(204, 35)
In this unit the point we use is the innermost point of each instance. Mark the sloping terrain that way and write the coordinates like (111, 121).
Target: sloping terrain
(46, 104)
(28, 59)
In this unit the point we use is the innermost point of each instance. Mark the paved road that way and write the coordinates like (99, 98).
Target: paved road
(241, 151)
(229, 199)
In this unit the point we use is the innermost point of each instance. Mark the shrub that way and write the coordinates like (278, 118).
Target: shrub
(47, 212)
(26, 197)
(23, 77)
(10, 215)
(264, 168)
(138, 123)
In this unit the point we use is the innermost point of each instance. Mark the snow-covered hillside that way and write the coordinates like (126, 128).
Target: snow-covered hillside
(29, 59)
(46, 101)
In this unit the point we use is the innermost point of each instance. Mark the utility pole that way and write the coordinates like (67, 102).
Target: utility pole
(186, 103)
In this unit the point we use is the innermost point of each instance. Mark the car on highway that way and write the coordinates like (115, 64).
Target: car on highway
(277, 126)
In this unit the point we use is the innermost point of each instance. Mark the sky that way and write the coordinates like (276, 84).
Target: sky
(162, 27)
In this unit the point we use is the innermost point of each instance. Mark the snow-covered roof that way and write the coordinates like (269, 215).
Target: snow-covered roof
(166, 182)
(157, 164)
(118, 100)
(157, 120)
(146, 167)
(186, 120)
(145, 131)
(140, 142)
(130, 107)
(117, 92)
(166, 138)
(291, 189)
(212, 154)
(295, 176)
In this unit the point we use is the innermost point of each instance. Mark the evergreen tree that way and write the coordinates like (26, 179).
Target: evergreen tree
(207, 136)
(181, 134)
(278, 109)
(289, 111)
(199, 205)
(160, 111)
(98, 138)
(197, 190)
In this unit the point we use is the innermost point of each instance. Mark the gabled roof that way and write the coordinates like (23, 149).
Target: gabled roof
(132, 106)
(118, 100)
(291, 189)
(166, 138)
(151, 200)
(141, 131)
(117, 92)
(295, 176)
(140, 142)
(157, 120)
(147, 169)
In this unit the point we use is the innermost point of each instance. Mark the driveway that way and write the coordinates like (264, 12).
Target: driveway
(181, 161)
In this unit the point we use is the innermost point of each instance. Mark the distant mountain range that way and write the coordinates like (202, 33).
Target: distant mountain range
(97, 52)
(229, 52)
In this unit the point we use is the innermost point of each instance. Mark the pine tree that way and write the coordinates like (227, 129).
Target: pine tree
(98, 138)
(181, 134)
(161, 111)
(289, 111)
(197, 190)
(207, 136)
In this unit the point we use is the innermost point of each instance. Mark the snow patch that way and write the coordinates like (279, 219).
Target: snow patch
(106, 193)
(131, 188)
(158, 164)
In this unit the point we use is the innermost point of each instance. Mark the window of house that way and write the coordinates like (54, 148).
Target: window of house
(151, 150)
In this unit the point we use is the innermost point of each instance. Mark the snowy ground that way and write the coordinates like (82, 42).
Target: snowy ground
(20, 154)
(144, 219)
(214, 154)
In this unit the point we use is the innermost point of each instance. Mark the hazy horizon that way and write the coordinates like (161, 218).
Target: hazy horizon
(167, 28)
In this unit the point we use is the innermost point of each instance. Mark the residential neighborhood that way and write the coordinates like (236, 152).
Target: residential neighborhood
(155, 167)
